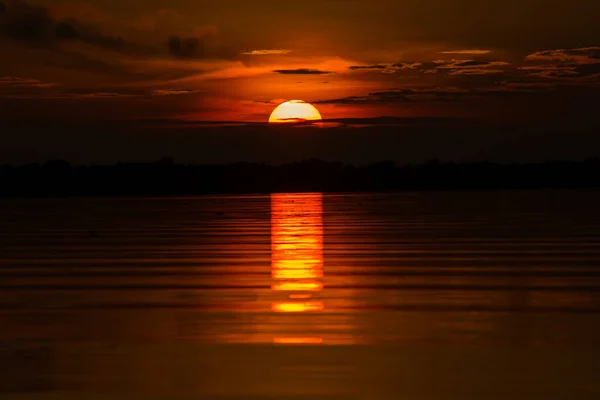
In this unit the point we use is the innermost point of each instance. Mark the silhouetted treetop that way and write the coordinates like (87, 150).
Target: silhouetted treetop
(166, 177)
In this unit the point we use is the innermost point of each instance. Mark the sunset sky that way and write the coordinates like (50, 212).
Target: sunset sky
(140, 66)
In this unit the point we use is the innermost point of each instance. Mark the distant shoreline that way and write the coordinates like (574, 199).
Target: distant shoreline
(167, 178)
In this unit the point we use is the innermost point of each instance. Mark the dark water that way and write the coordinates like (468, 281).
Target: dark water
(471, 295)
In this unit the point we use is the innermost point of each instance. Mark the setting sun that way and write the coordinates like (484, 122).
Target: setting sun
(294, 111)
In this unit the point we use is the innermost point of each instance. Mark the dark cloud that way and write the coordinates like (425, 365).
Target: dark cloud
(413, 65)
(467, 52)
(567, 73)
(64, 30)
(199, 47)
(590, 52)
(371, 98)
(553, 73)
(466, 64)
(76, 31)
(278, 52)
(588, 69)
(386, 121)
(398, 96)
(33, 24)
(472, 68)
(267, 102)
(582, 64)
(301, 71)
(393, 94)
(172, 92)
(448, 67)
(332, 122)
(15, 82)
(399, 121)
(472, 63)
(475, 72)
(186, 47)
(436, 94)
(21, 21)
(98, 95)
(346, 100)
(84, 62)
(581, 55)
(69, 96)
(390, 68)
(578, 64)
(358, 67)
(158, 122)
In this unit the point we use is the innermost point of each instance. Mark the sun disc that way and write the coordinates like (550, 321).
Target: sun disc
(294, 111)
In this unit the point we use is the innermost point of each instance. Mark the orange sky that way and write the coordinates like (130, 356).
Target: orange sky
(235, 60)
(509, 63)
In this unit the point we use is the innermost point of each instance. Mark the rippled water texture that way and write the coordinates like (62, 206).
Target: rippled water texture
(464, 295)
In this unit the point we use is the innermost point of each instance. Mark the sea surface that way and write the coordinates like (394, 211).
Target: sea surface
(409, 296)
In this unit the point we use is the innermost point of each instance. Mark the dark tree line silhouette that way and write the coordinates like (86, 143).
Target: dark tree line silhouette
(165, 177)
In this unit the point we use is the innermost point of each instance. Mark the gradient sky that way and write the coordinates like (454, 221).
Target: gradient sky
(502, 66)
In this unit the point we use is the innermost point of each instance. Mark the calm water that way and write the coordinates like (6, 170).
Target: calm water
(471, 295)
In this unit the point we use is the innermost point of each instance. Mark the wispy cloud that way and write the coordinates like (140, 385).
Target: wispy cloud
(555, 67)
(434, 94)
(392, 121)
(377, 66)
(279, 52)
(172, 92)
(389, 68)
(471, 67)
(449, 67)
(476, 71)
(369, 99)
(474, 52)
(11, 81)
(582, 64)
(466, 64)
(581, 55)
(71, 96)
(99, 95)
(302, 71)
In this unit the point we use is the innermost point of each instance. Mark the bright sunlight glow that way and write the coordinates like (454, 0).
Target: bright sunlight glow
(294, 111)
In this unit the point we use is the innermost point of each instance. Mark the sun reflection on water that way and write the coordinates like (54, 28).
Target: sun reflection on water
(297, 256)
